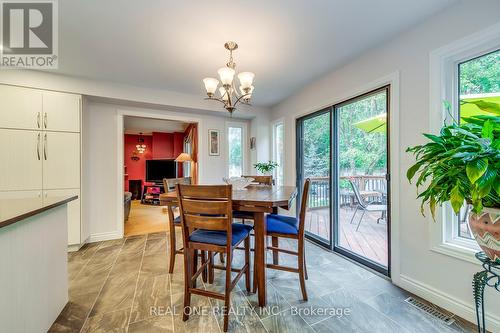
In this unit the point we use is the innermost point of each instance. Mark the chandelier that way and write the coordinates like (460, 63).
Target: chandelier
(228, 94)
(140, 147)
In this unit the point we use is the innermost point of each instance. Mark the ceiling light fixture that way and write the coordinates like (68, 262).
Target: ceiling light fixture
(228, 95)
(141, 147)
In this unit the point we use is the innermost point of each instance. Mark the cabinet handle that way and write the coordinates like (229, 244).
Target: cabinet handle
(45, 147)
(45, 119)
(38, 146)
(38, 119)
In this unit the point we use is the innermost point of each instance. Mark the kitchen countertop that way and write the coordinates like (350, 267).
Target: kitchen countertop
(13, 210)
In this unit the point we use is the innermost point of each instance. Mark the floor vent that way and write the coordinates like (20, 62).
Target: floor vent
(430, 310)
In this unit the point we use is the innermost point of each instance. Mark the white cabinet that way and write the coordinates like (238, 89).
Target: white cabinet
(19, 201)
(74, 228)
(61, 112)
(61, 160)
(20, 108)
(40, 149)
(21, 160)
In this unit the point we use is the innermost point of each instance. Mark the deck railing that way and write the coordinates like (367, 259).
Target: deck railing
(319, 193)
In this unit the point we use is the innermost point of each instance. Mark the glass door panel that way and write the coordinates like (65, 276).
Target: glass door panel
(362, 191)
(315, 163)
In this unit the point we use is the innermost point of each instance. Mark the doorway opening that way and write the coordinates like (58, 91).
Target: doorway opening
(150, 149)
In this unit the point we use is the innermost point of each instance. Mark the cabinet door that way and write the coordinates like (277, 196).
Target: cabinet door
(73, 212)
(61, 112)
(21, 160)
(20, 108)
(61, 160)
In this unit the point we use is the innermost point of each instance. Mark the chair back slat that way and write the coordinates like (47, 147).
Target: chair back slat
(169, 183)
(200, 206)
(207, 192)
(206, 207)
(303, 207)
(205, 222)
(262, 180)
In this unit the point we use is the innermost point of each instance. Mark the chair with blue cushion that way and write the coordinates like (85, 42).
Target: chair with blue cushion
(281, 226)
(207, 225)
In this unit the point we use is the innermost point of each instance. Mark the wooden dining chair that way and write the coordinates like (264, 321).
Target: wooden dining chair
(292, 228)
(206, 219)
(173, 222)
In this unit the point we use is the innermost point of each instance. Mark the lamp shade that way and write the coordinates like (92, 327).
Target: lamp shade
(246, 79)
(210, 85)
(226, 75)
(184, 157)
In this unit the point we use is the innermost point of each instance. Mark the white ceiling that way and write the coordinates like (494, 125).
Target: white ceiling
(173, 45)
(136, 125)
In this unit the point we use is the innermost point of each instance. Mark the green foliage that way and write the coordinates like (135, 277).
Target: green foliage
(480, 75)
(460, 164)
(359, 151)
(265, 167)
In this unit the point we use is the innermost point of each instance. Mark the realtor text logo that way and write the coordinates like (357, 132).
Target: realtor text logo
(28, 34)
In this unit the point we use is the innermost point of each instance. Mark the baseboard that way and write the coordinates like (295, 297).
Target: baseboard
(448, 302)
(104, 236)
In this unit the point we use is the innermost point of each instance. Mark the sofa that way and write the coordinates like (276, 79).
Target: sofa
(127, 201)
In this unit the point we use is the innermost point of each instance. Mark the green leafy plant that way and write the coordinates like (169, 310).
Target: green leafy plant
(460, 164)
(265, 167)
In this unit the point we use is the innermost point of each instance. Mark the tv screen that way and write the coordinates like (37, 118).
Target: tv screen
(156, 170)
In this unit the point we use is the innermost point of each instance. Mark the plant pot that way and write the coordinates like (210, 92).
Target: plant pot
(486, 230)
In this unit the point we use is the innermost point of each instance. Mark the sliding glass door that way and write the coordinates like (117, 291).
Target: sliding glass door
(344, 151)
(315, 163)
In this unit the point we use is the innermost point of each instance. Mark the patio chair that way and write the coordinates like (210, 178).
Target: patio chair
(365, 207)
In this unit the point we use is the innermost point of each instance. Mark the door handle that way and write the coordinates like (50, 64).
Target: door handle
(38, 147)
(38, 119)
(45, 119)
(45, 147)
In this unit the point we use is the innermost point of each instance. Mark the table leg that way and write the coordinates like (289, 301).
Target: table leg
(260, 256)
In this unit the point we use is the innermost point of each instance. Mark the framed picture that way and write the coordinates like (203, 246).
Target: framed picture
(253, 142)
(214, 142)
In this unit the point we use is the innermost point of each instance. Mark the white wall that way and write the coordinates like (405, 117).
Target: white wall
(439, 278)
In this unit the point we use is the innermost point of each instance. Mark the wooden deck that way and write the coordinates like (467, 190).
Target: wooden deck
(369, 241)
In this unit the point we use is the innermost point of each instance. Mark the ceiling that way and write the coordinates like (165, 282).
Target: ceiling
(173, 45)
(146, 126)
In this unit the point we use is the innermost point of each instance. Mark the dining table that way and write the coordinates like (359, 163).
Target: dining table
(257, 200)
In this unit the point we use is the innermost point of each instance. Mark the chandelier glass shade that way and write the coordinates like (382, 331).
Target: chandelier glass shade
(227, 93)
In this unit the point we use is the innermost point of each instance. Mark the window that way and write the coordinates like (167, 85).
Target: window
(278, 154)
(236, 146)
(478, 85)
(465, 73)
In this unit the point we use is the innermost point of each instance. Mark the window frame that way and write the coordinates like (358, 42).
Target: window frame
(244, 146)
(444, 85)
(277, 123)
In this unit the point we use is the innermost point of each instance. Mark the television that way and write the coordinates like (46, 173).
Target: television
(156, 170)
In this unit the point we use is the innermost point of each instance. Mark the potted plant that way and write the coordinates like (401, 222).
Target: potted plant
(265, 168)
(459, 165)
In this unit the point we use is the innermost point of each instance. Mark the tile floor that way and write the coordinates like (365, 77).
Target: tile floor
(124, 286)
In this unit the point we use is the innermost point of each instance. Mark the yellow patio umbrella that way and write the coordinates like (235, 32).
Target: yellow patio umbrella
(376, 124)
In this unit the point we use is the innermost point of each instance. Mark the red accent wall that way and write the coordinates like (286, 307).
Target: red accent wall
(158, 146)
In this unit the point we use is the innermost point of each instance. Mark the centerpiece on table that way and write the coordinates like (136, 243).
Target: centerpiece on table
(461, 165)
